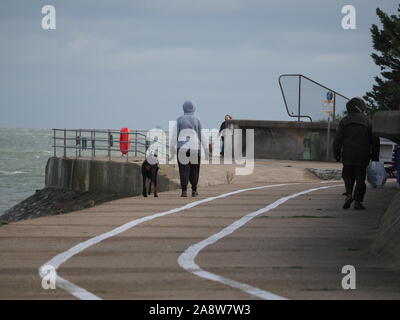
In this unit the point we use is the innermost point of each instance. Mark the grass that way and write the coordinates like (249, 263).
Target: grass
(3, 223)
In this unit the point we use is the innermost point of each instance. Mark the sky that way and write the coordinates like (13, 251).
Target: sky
(118, 63)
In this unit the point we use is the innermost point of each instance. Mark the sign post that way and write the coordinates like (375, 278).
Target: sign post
(328, 109)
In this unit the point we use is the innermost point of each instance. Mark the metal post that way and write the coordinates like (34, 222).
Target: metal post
(76, 142)
(91, 139)
(109, 145)
(65, 143)
(299, 99)
(54, 137)
(334, 107)
(94, 143)
(80, 142)
(328, 137)
(127, 139)
(136, 143)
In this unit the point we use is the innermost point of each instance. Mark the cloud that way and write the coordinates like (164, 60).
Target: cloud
(139, 55)
(79, 42)
(335, 58)
(173, 5)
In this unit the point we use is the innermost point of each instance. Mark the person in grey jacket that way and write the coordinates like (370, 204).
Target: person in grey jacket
(186, 141)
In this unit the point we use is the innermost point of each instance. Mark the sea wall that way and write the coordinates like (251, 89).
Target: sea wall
(288, 140)
(386, 124)
(101, 176)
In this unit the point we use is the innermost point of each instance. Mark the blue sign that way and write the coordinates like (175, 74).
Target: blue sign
(329, 96)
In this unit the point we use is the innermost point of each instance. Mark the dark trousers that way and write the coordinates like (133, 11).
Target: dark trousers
(189, 172)
(355, 175)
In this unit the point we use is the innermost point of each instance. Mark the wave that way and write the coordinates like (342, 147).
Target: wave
(11, 173)
(8, 154)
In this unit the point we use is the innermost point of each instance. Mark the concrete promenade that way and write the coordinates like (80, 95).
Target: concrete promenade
(295, 249)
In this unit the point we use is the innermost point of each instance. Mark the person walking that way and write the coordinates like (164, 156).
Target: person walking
(221, 132)
(355, 145)
(186, 141)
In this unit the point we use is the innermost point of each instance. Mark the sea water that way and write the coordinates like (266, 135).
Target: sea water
(23, 157)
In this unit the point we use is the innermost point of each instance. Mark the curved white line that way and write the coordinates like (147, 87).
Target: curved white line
(81, 293)
(186, 259)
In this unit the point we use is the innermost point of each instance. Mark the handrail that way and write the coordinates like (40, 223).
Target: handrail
(300, 76)
(86, 139)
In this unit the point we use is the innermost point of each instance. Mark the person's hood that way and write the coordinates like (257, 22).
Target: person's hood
(356, 105)
(189, 108)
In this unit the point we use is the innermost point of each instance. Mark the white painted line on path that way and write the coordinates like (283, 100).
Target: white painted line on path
(186, 259)
(61, 258)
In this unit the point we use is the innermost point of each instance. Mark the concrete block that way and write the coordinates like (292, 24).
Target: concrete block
(386, 124)
(120, 178)
(286, 140)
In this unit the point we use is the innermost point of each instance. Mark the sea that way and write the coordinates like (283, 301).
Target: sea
(23, 157)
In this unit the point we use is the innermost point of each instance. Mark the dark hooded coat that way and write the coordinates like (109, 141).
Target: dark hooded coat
(354, 142)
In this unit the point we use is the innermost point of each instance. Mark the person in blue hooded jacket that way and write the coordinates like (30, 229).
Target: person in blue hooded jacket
(187, 141)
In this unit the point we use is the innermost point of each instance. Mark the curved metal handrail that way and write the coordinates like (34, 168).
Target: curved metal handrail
(300, 76)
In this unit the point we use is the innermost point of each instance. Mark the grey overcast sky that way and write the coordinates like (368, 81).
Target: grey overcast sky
(133, 63)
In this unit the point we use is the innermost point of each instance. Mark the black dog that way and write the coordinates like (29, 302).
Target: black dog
(149, 171)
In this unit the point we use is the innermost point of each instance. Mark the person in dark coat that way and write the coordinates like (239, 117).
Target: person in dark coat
(355, 145)
(221, 132)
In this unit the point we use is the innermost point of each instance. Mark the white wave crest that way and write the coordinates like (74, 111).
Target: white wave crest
(10, 173)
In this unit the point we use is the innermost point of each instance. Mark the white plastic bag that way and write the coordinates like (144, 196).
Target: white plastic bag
(376, 174)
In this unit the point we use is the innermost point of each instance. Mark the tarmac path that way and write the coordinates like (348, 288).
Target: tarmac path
(291, 247)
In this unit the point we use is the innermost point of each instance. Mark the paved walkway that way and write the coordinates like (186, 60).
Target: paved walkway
(295, 250)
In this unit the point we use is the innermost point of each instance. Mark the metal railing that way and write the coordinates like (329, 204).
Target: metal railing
(101, 143)
(298, 109)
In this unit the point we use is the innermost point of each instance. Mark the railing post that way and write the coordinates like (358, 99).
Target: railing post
(91, 140)
(76, 144)
(136, 143)
(109, 145)
(299, 99)
(94, 143)
(54, 138)
(65, 143)
(80, 142)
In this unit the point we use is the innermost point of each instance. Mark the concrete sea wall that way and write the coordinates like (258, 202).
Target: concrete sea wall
(101, 176)
(386, 124)
(288, 140)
